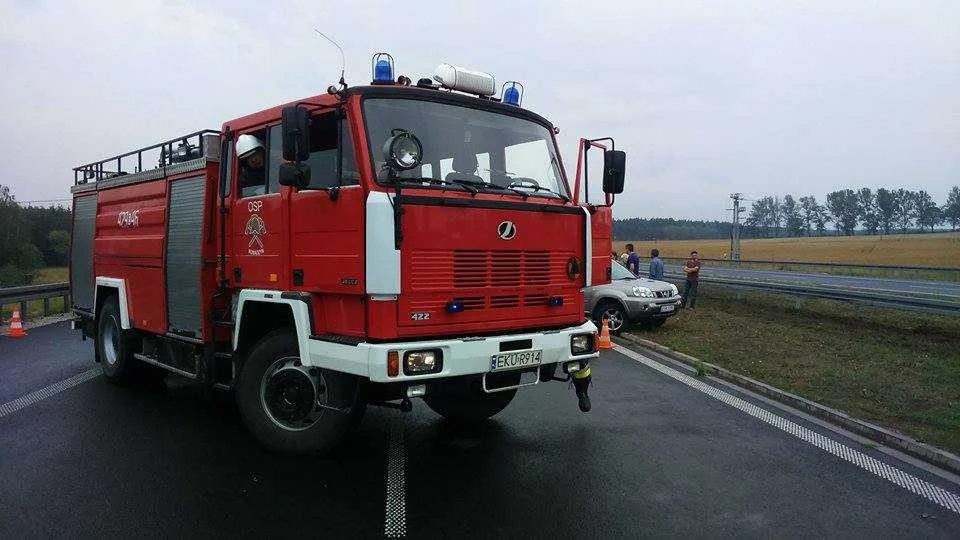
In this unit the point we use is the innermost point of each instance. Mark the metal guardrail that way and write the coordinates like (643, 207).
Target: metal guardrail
(21, 295)
(926, 302)
(732, 263)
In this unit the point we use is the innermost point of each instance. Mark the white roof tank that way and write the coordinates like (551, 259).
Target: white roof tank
(465, 80)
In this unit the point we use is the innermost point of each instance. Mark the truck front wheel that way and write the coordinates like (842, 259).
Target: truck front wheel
(464, 400)
(291, 408)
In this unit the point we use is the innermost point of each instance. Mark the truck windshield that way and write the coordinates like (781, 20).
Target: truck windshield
(467, 146)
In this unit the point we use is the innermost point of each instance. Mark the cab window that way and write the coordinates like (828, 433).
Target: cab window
(252, 168)
(275, 149)
(325, 132)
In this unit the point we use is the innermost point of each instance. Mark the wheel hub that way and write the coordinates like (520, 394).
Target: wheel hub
(290, 395)
(111, 341)
(615, 319)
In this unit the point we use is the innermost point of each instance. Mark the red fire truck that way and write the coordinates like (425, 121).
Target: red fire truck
(362, 247)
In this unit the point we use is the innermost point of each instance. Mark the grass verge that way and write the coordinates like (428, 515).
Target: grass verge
(894, 368)
(53, 274)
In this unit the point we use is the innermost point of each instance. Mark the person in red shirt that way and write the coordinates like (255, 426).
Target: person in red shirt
(692, 269)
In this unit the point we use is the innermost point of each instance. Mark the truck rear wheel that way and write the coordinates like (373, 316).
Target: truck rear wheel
(114, 345)
(465, 401)
(290, 408)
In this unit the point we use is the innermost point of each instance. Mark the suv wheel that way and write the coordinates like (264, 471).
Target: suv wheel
(614, 313)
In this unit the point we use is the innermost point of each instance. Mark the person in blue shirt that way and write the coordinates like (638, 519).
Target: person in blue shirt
(656, 265)
(633, 261)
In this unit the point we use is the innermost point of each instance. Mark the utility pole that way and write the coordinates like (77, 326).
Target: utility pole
(735, 227)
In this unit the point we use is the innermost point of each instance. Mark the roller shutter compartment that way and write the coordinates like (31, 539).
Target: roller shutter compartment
(183, 257)
(81, 251)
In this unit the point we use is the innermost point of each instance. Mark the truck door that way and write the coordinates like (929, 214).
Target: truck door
(259, 216)
(326, 228)
(601, 231)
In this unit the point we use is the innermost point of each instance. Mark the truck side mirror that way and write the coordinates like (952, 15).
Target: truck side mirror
(295, 175)
(614, 169)
(296, 133)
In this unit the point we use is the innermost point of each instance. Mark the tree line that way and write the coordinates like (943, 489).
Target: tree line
(30, 238)
(843, 212)
(883, 211)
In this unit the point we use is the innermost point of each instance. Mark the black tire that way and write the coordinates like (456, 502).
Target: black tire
(614, 311)
(259, 385)
(463, 400)
(114, 346)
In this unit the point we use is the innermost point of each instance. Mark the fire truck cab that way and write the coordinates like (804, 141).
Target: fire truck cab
(366, 246)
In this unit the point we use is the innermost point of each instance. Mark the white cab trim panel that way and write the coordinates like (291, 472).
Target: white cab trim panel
(121, 287)
(382, 257)
(299, 308)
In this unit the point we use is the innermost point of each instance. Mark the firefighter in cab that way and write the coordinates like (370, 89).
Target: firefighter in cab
(252, 156)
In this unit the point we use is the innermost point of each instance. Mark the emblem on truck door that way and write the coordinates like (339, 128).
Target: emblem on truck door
(507, 230)
(255, 228)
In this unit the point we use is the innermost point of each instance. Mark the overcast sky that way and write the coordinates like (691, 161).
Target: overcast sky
(761, 97)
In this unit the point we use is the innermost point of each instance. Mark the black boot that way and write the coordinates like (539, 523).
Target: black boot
(580, 385)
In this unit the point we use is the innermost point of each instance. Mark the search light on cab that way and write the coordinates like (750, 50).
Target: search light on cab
(382, 68)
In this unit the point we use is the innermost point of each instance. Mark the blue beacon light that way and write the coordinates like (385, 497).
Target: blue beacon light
(382, 68)
(455, 306)
(513, 93)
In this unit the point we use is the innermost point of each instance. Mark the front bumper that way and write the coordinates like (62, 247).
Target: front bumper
(461, 356)
(651, 308)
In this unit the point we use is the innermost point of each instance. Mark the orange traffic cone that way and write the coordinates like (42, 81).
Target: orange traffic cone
(16, 326)
(604, 342)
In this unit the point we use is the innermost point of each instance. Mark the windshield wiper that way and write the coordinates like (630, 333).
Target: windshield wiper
(494, 186)
(563, 198)
(437, 182)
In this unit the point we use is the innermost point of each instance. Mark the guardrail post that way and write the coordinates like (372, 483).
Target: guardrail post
(46, 307)
(23, 310)
(66, 303)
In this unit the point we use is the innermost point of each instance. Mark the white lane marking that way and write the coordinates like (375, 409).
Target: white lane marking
(26, 400)
(909, 482)
(395, 523)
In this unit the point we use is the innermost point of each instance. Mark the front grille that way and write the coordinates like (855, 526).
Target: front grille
(663, 294)
(469, 269)
(478, 268)
(499, 280)
(504, 301)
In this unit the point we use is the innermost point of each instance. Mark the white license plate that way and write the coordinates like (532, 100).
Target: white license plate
(515, 360)
(665, 309)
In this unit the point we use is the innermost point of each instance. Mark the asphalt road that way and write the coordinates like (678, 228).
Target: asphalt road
(945, 289)
(662, 454)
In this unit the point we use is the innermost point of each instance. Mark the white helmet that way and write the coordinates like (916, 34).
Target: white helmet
(246, 144)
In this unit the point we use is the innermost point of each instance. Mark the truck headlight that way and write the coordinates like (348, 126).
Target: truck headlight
(420, 362)
(642, 292)
(582, 344)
